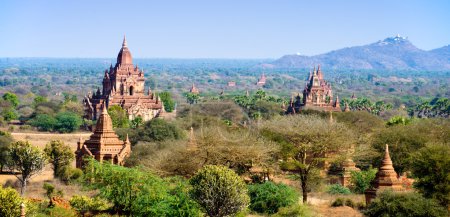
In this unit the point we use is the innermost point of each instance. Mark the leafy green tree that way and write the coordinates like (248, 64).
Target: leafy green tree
(431, 166)
(27, 159)
(12, 98)
(136, 122)
(10, 114)
(270, 197)
(10, 202)
(67, 122)
(192, 98)
(305, 149)
(158, 130)
(118, 116)
(396, 120)
(60, 156)
(166, 98)
(38, 100)
(388, 203)
(219, 190)
(137, 193)
(361, 180)
(5, 140)
(44, 122)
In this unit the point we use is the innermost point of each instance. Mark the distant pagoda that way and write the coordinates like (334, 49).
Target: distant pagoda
(124, 85)
(317, 94)
(194, 89)
(386, 179)
(261, 80)
(103, 144)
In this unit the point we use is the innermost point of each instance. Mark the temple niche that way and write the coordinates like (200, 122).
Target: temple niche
(103, 144)
(317, 94)
(124, 85)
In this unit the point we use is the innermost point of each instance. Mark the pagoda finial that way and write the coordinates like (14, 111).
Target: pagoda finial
(124, 44)
(127, 139)
(104, 110)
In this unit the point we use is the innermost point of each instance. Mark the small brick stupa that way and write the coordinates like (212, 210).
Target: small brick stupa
(104, 144)
(386, 179)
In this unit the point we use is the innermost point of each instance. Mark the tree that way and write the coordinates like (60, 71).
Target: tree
(269, 197)
(5, 140)
(137, 193)
(361, 180)
(10, 202)
(118, 116)
(431, 166)
(10, 114)
(60, 156)
(389, 203)
(158, 130)
(192, 98)
(44, 122)
(136, 122)
(12, 98)
(67, 122)
(219, 190)
(307, 143)
(38, 100)
(166, 98)
(27, 159)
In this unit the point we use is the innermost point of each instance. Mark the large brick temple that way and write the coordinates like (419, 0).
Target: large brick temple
(124, 85)
(317, 94)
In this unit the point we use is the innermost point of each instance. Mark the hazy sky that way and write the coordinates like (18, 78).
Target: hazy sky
(212, 28)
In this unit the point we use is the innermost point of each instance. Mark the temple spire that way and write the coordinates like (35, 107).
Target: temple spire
(124, 44)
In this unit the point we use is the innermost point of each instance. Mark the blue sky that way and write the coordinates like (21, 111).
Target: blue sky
(213, 29)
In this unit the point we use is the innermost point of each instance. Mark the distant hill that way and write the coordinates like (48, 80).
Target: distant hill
(393, 53)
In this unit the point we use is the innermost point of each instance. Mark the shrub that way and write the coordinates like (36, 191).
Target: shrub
(338, 202)
(404, 204)
(361, 180)
(9, 202)
(43, 122)
(338, 189)
(349, 202)
(296, 210)
(269, 197)
(83, 204)
(67, 122)
(219, 190)
(60, 156)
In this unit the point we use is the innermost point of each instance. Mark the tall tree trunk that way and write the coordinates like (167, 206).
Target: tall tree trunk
(23, 187)
(304, 184)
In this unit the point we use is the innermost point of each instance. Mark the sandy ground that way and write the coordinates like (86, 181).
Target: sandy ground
(34, 189)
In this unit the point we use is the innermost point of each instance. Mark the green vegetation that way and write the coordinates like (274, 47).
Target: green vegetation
(270, 197)
(431, 166)
(26, 159)
(338, 189)
(118, 116)
(10, 202)
(219, 190)
(60, 156)
(361, 180)
(166, 98)
(404, 204)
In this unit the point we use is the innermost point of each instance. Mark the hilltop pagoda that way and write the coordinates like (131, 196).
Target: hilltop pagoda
(103, 144)
(317, 94)
(386, 179)
(124, 85)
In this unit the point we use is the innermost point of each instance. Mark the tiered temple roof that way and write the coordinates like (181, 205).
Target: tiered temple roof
(386, 178)
(124, 85)
(103, 144)
(317, 94)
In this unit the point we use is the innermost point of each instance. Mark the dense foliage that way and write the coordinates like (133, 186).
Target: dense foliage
(138, 193)
(219, 190)
(431, 166)
(9, 202)
(269, 197)
(60, 156)
(27, 159)
(360, 180)
(404, 204)
(118, 116)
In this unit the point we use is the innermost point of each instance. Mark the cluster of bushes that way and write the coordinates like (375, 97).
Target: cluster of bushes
(63, 122)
